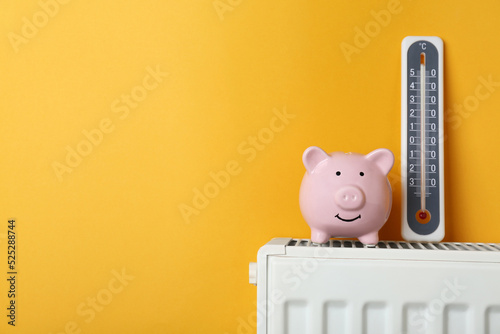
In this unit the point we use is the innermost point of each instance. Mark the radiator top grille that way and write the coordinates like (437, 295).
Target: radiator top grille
(444, 246)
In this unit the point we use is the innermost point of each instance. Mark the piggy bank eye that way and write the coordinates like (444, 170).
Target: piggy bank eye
(338, 173)
(361, 173)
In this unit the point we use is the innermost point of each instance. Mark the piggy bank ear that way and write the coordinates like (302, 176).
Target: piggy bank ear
(312, 157)
(383, 158)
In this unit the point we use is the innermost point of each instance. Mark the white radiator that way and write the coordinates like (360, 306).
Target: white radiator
(396, 287)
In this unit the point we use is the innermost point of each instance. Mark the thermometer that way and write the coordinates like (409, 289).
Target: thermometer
(422, 165)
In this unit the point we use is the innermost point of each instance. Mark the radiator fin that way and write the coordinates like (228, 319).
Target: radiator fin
(493, 320)
(414, 321)
(456, 319)
(296, 317)
(336, 317)
(375, 318)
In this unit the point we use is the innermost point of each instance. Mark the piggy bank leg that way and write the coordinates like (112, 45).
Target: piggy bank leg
(370, 238)
(319, 237)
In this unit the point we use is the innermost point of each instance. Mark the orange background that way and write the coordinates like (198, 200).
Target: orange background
(232, 66)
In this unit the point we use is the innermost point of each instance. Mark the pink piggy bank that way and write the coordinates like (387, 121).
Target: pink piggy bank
(346, 194)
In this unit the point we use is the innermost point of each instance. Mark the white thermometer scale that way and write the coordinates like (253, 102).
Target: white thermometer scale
(422, 166)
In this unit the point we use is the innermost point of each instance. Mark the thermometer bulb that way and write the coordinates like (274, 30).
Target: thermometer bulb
(423, 216)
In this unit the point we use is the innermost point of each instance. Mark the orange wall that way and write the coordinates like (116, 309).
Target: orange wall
(157, 97)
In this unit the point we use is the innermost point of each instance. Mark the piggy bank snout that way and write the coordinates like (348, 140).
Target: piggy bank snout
(350, 197)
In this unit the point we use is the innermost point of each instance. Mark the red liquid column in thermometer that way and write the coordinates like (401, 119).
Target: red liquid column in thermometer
(423, 216)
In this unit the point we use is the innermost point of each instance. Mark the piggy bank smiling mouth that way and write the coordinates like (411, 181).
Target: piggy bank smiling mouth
(347, 220)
